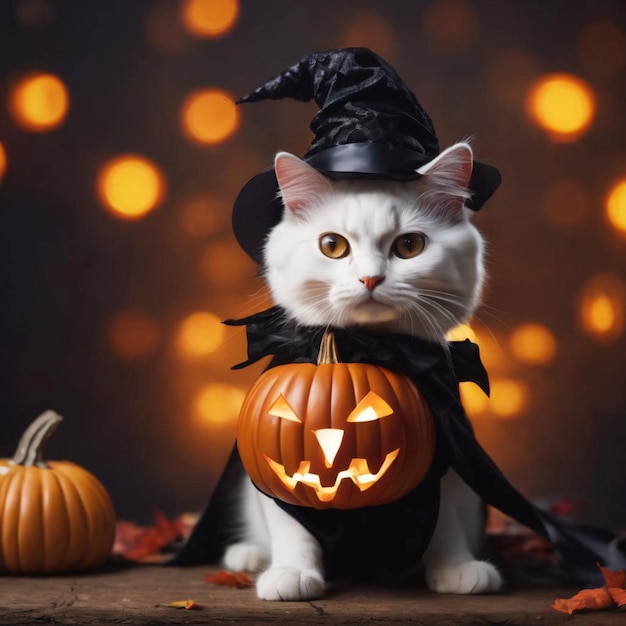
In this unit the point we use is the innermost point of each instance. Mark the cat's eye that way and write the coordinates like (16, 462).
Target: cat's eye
(409, 245)
(334, 246)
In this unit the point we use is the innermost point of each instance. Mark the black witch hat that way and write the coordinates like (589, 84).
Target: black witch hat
(370, 125)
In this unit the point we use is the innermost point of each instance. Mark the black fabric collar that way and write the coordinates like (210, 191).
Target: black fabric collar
(271, 333)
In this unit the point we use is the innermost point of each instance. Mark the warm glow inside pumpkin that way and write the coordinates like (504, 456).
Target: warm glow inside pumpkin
(335, 435)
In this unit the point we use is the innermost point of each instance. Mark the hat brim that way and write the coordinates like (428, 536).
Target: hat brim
(258, 207)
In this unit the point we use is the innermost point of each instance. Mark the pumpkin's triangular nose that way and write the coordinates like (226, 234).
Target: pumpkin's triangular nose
(330, 442)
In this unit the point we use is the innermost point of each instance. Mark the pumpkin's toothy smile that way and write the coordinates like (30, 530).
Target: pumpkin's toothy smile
(358, 472)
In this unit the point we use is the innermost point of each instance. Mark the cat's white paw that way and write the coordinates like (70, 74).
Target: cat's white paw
(464, 578)
(290, 583)
(244, 557)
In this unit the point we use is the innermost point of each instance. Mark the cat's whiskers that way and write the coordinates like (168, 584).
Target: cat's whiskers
(260, 300)
(430, 328)
(443, 314)
(313, 304)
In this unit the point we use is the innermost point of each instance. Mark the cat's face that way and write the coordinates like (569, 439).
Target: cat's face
(395, 256)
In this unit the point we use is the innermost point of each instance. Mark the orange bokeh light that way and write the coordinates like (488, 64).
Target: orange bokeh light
(533, 344)
(602, 48)
(130, 186)
(209, 18)
(461, 333)
(39, 102)
(509, 76)
(225, 266)
(218, 403)
(492, 353)
(133, 334)
(203, 215)
(602, 307)
(565, 203)
(562, 104)
(474, 400)
(209, 116)
(164, 31)
(450, 24)
(200, 334)
(373, 31)
(615, 207)
(3, 161)
(508, 397)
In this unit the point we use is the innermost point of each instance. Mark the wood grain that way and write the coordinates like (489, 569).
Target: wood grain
(138, 595)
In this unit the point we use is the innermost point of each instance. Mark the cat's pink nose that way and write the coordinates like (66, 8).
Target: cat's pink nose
(370, 282)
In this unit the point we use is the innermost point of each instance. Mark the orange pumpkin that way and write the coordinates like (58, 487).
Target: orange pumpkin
(54, 517)
(335, 435)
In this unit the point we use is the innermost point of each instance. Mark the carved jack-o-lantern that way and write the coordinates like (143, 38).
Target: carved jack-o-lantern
(335, 435)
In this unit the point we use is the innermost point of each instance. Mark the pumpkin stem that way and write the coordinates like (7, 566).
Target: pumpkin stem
(328, 349)
(33, 442)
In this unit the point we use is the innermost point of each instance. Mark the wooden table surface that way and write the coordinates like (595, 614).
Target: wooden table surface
(138, 595)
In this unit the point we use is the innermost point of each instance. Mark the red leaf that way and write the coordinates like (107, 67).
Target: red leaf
(167, 529)
(229, 579)
(618, 595)
(614, 579)
(585, 600)
(140, 543)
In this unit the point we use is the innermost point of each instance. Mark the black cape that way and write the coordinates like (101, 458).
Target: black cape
(389, 539)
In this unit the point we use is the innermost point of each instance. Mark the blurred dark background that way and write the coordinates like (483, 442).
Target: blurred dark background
(113, 321)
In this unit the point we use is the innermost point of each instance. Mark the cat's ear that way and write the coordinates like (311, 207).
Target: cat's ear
(300, 185)
(448, 176)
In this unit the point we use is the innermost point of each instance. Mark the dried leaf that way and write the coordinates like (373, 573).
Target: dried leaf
(144, 543)
(611, 596)
(618, 595)
(190, 605)
(229, 579)
(585, 600)
(614, 579)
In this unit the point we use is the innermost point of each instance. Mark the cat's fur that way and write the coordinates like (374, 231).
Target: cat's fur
(370, 287)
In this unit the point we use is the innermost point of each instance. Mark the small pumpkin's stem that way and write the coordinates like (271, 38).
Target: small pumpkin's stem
(33, 442)
(328, 349)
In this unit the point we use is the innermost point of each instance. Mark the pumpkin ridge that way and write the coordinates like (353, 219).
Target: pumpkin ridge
(254, 427)
(3, 497)
(64, 481)
(5, 525)
(74, 503)
(358, 378)
(85, 493)
(310, 371)
(31, 516)
(90, 483)
(17, 513)
(18, 518)
(385, 377)
(107, 512)
(96, 510)
(66, 547)
(377, 378)
(347, 384)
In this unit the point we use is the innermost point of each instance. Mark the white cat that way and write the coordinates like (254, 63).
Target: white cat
(393, 256)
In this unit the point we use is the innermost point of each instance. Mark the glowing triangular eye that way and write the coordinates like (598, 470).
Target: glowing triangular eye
(371, 408)
(281, 408)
